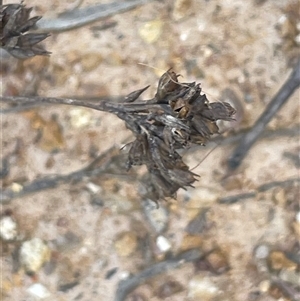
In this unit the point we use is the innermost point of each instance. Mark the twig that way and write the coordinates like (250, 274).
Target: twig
(273, 107)
(236, 198)
(128, 285)
(270, 185)
(262, 188)
(75, 18)
(52, 182)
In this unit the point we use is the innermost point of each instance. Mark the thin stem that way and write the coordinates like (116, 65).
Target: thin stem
(48, 100)
(104, 105)
(292, 83)
(128, 285)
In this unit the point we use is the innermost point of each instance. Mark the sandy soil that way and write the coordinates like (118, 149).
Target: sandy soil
(245, 46)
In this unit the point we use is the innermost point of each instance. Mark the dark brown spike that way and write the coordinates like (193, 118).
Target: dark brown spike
(133, 96)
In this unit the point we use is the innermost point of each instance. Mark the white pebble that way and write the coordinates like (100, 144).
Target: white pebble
(298, 217)
(282, 19)
(33, 254)
(93, 188)
(16, 187)
(124, 275)
(184, 36)
(80, 117)
(202, 289)
(264, 286)
(39, 291)
(163, 244)
(262, 252)
(8, 228)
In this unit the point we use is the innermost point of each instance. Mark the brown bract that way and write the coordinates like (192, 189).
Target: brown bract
(14, 36)
(175, 118)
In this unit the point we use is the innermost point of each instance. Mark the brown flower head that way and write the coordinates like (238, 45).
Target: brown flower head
(175, 118)
(15, 23)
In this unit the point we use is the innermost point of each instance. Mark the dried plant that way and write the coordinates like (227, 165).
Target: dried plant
(14, 36)
(175, 118)
(178, 116)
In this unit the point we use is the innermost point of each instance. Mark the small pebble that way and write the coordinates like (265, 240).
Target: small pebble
(80, 117)
(191, 242)
(124, 275)
(16, 187)
(163, 244)
(33, 254)
(38, 291)
(217, 261)
(182, 8)
(126, 244)
(290, 276)
(277, 261)
(262, 252)
(157, 217)
(298, 217)
(8, 228)
(264, 286)
(201, 288)
(151, 31)
(93, 188)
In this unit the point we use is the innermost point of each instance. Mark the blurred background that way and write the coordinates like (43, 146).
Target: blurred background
(79, 239)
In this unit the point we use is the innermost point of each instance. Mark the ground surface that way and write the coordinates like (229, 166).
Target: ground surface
(97, 224)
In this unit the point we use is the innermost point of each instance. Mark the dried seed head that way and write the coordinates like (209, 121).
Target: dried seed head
(15, 24)
(176, 117)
